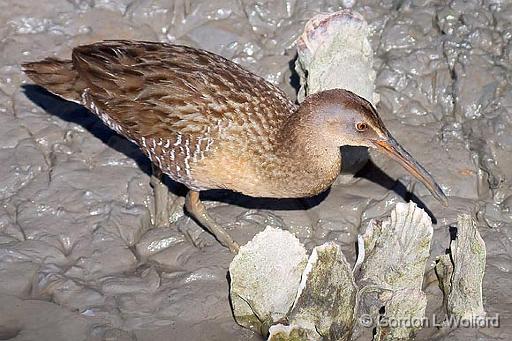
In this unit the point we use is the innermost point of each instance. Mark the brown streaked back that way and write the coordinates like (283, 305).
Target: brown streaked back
(160, 89)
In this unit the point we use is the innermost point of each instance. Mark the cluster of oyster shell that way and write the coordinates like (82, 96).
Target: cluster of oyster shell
(279, 292)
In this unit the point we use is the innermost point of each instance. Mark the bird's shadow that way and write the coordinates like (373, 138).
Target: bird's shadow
(294, 79)
(374, 174)
(75, 113)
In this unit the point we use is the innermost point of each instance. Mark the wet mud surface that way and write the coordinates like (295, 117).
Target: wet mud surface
(78, 257)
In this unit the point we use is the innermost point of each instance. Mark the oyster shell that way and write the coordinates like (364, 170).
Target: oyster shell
(265, 275)
(461, 275)
(334, 52)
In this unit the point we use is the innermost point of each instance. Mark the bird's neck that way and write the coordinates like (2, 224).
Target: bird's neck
(306, 160)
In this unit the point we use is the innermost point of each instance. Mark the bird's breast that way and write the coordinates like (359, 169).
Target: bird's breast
(261, 174)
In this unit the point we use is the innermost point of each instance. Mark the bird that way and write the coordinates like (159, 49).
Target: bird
(208, 123)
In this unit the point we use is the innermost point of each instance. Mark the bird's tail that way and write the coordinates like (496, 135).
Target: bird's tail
(57, 76)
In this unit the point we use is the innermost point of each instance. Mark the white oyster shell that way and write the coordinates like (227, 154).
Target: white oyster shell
(334, 52)
(265, 275)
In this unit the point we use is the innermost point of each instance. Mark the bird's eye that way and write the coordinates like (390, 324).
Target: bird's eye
(361, 126)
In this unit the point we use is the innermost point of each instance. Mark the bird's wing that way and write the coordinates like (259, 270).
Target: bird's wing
(155, 89)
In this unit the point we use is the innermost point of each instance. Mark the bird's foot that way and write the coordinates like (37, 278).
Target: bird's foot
(197, 235)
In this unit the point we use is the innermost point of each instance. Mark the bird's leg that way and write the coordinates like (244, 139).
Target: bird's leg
(197, 209)
(161, 197)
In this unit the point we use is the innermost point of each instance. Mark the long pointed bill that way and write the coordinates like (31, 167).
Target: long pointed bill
(391, 148)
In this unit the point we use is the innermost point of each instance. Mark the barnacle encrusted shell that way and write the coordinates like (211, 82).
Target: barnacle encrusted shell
(326, 296)
(334, 52)
(265, 275)
(461, 273)
(396, 250)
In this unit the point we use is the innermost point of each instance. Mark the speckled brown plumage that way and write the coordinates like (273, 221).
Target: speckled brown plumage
(208, 123)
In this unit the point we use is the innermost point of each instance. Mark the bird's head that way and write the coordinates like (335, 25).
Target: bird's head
(344, 118)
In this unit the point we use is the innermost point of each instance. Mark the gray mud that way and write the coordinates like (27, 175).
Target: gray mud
(76, 248)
